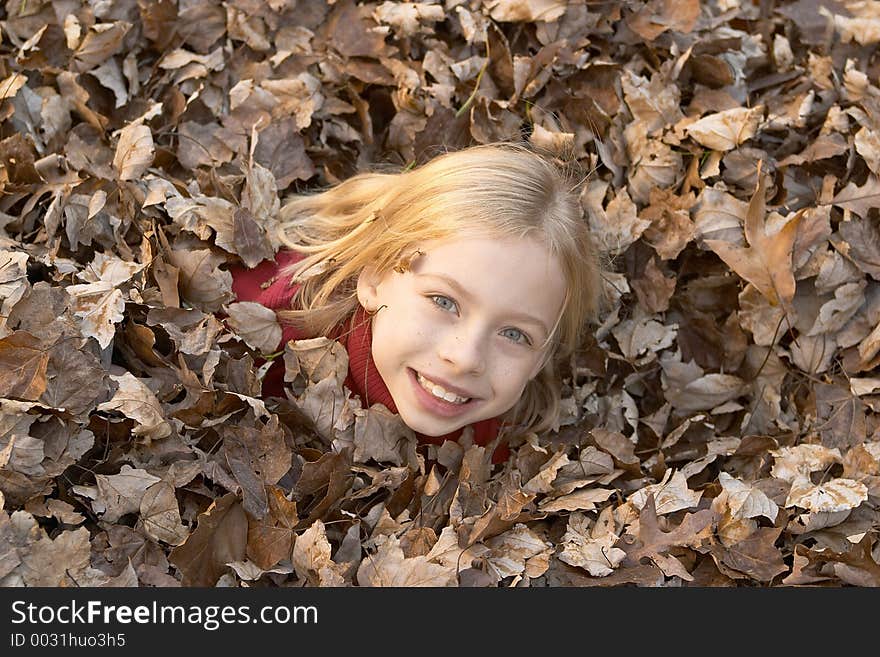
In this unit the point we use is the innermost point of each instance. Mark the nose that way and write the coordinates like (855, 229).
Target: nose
(463, 349)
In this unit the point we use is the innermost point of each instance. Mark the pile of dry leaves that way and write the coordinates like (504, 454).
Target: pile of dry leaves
(719, 427)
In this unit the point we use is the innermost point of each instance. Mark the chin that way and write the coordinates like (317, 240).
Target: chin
(432, 430)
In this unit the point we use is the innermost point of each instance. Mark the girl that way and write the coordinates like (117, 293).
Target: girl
(457, 288)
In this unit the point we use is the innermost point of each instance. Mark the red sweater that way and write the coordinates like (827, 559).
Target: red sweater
(263, 285)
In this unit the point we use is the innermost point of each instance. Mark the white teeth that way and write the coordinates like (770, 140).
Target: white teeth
(440, 392)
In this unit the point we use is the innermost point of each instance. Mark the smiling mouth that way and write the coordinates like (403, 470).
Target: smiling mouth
(439, 392)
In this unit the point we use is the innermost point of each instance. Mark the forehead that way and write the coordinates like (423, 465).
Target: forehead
(507, 274)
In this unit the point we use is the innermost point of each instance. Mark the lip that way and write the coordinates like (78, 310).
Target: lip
(436, 405)
(461, 392)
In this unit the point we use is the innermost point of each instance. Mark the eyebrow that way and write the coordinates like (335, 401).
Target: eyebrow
(459, 289)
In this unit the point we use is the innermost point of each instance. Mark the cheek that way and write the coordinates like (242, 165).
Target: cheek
(512, 377)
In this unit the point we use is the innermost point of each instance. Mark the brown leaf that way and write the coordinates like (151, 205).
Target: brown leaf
(249, 238)
(56, 562)
(202, 282)
(219, 538)
(389, 567)
(192, 331)
(136, 401)
(591, 546)
(119, 494)
(657, 16)
(282, 150)
(256, 457)
(331, 470)
(766, 262)
(311, 558)
(160, 514)
(756, 556)
(618, 446)
(102, 41)
(101, 306)
(257, 325)
(352, 31)
(270, 539)
(654, 289)
(862, 241)
(840, 416)
(134, 152)
(671, 228)
(526, 10)
(860, 200)
(381, 436)
(316, 359)
(23, 364)
(857, 567)
(653, 543)
(724, 131)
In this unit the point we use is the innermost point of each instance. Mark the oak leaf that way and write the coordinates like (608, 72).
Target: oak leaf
(591, 546)
(653, 543)
(389, 567)
(311, 558)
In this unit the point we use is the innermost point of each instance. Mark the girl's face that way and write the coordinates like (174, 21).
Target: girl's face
(460, 334)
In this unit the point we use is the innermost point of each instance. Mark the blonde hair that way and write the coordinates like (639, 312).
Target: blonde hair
(372, 219)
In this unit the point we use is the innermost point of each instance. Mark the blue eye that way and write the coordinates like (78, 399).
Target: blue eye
(519, 336)
(448, 305)
(439, 299)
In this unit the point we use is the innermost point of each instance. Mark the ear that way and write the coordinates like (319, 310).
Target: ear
(368, 288)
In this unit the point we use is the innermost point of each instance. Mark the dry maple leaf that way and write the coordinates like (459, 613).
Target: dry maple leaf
(56, 562)
(271, 539)
(219, 538)
(670, 494)
(382, 436)
(255, 324)
(119, 494)
(766, 262)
